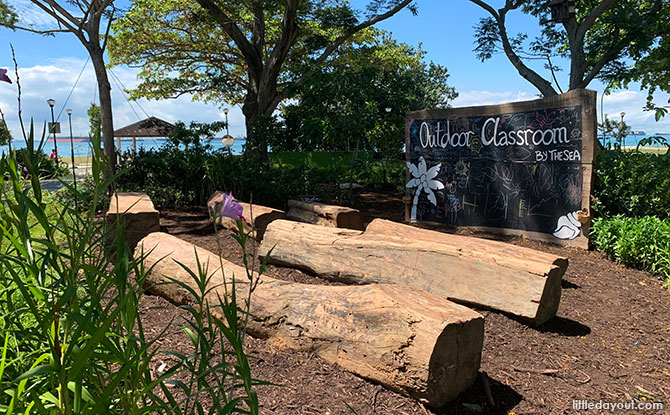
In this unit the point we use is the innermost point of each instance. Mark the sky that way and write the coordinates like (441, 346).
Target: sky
(49, 67)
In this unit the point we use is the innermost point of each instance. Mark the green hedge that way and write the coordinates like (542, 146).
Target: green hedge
(176, 176)
(633, 184)
(180, 177)
(635, 242)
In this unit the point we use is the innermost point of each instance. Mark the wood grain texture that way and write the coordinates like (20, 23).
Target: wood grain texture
(490, 274)
(325, 215)
(136, 212)
(255, 216)
(410, 341)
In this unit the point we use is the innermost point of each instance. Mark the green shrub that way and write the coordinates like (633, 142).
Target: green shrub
(73, 340)
(635, 242)
(174, 176)
(633, 184)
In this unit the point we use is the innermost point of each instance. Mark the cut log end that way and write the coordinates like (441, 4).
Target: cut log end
(325, 215)
(408, 340)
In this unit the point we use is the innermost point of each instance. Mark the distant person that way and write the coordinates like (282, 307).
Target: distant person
(53, 154)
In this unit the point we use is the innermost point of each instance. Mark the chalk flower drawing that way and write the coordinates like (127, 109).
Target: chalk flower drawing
(568, 227)
(423, 180)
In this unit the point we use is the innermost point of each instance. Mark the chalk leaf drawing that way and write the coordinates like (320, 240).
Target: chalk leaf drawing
(568, 227)
(423, 180)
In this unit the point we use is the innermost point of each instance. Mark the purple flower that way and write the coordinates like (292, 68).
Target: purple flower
(25, 170)
(231, 208)
(4, 77)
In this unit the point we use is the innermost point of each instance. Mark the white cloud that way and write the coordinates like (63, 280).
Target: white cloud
(630, 102)
(56, 78)
(33, 16)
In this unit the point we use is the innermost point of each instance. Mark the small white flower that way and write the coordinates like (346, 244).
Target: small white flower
(423, 180)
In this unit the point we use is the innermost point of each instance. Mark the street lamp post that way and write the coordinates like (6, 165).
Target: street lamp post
(227, 140)
(621, 131)
(74, 171)
(225, 111)
(51, 103)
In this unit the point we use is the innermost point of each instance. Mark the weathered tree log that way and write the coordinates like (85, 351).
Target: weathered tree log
(255, 216)
(136, 212)
(489, 274)
(324, 215)
(410, 341)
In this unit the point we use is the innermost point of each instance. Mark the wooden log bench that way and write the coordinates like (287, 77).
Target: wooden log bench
(490, 274)
(255, 216)
(136, 212)
(325, 215)
(410, 341)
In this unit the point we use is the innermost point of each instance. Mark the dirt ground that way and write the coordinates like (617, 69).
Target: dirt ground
(610, 341)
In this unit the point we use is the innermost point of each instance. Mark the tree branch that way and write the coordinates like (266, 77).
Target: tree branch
(553, 73)
(486, 7)
(109, 25)
(591, 18)
(40, 32)
(234, 32)
(61, 15)
(340, 40)
(527, 73)
(288, 36)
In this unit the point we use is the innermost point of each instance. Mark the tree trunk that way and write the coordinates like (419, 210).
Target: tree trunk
(410, 341)
(490, 274)
(104, 89)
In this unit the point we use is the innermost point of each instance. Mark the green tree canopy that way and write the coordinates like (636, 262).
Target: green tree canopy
(254, 52)
(361, 98)
(610, 40)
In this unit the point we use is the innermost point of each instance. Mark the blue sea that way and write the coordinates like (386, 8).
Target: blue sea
(82, 147)
(633, 140)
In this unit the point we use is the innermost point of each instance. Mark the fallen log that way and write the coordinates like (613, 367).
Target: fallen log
(489, 274)
(255, 216)
(410, 341)
(136, 212)
(324, 215)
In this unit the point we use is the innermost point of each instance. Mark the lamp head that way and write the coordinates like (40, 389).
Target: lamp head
(69, 111)
(51, 102)
(622, 114)
(225, 111)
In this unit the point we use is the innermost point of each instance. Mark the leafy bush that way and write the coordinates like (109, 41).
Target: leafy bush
(635, 242)
(633, 184)
(174, 176)
(73, 340)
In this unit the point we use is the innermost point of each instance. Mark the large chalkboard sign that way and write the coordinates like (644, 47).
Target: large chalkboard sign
(519, 168)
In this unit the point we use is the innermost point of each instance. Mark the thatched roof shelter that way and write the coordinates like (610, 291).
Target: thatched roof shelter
(150, 127)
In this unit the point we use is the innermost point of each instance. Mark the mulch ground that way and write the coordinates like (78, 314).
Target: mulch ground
(610, 341)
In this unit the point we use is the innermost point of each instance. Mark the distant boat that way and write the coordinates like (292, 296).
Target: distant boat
(662, 133)
(639, 132)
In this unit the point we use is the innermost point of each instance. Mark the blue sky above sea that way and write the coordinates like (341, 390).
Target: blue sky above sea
(49, 66)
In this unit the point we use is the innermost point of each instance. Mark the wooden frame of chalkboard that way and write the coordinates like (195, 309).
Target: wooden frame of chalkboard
(521, 168)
